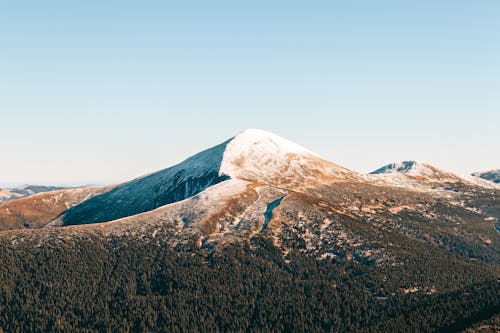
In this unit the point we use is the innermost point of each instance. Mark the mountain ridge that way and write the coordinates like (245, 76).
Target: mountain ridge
(254, 227)
(253, 155)
(22, 191)
(416, 173)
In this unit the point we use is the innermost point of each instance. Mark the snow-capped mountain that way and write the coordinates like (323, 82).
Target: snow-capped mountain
(258, 184)
(253, 155)
(400, 167)
(415, 169)
(492, 175)
(264, 157)
(246, 221)
(418, 174)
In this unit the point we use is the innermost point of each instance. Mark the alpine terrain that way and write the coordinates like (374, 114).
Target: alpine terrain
(7, 194)
(256, 234)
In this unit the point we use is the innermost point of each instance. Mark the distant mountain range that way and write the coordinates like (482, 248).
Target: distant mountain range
(7, 194)
(406, 238)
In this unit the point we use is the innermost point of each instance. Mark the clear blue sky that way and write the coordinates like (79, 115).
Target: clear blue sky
(102, 91)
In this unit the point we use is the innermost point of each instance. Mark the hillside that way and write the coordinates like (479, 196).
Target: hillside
(38, 210)
(7, 194)
(256, 234)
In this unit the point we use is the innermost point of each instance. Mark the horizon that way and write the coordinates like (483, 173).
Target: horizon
(104, 93)
(70, 183)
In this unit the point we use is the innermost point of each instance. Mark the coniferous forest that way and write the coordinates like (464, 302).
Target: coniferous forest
(250, 166)
(127, 285)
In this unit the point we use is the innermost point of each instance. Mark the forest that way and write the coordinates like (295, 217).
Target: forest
(122, 284)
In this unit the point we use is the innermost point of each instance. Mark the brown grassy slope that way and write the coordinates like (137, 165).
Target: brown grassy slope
(38, 210)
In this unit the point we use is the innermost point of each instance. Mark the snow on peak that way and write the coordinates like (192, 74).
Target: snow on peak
(251, 137)
(253, 142)
(416, 169)
(258, 155)
(253, 155)
(409, 167)
(414, 172)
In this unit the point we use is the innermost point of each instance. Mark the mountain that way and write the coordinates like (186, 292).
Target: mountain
(253, 155)
(414, 168)
(256, 234)
(423, 175)
(492, 175)
(8, 194)
(38, 210)
(259, 184)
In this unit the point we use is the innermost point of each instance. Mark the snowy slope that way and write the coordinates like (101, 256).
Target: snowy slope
(415, 168)
(253, 155)
(414, 174)
(398, 167)
(152, 191)
(264, 157)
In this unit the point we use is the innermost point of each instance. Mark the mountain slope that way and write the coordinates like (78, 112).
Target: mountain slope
(38, 210)
(24, 191)
(258, 184)
(152, 191)
(425, 176)
(236, 237)
(253, 155)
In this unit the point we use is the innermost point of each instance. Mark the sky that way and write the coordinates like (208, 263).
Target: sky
(104, 91)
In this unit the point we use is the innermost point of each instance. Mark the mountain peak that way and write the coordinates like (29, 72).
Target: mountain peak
(252, 155)
(257, 137)
(256, 152)
(410, 172)
(403, 167)
(416, 170)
